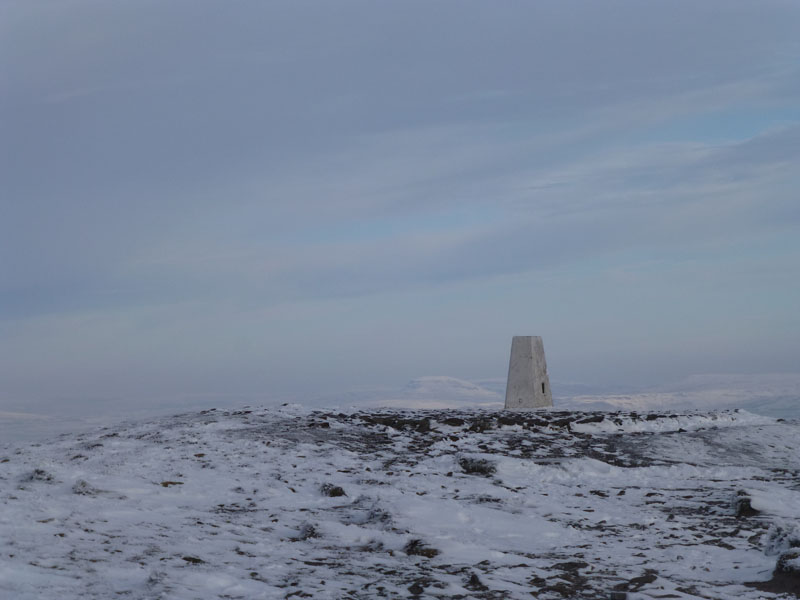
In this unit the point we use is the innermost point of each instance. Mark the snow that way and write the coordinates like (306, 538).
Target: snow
(771, 394)
(438, 504)
(779, 502)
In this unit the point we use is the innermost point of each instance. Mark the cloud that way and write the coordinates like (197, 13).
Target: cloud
(198, 163)
(656, 199)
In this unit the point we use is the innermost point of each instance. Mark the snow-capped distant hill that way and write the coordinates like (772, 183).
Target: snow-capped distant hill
(772, 395)
(292, 503)
(423, 392)
(767, 394)
(447, 386)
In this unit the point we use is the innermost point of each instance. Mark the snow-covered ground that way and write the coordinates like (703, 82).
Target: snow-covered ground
(460, 503)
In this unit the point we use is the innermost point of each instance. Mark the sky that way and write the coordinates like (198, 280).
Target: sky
(293, 198)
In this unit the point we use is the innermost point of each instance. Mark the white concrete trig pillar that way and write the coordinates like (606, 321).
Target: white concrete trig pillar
(528, 385)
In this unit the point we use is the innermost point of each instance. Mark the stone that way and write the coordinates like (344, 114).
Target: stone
(528, 385)
(477, 466)
(333, 491)
(419, 548)
(742, 505)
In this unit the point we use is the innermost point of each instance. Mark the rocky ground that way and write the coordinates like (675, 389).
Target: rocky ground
(293, 503)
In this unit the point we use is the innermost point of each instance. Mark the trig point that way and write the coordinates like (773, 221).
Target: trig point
(528, 386)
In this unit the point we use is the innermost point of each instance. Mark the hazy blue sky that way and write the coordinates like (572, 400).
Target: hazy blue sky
(301, 197)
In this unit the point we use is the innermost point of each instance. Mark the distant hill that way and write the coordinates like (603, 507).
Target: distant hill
(775, 395)
(766, 394)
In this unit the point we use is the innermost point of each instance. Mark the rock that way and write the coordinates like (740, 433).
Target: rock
(592, 419)
(416, 588)
(781, 538)
(334, 491)
(571, 566)
(477, 466)
(307, 532)
(650, 575)
(474, 584)
(785, 577)
(417, 547)
(39, 475)
(742, 506)
(482, 425)
(789, 564)
(422, 425)
(82, 488)
(565, 423)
